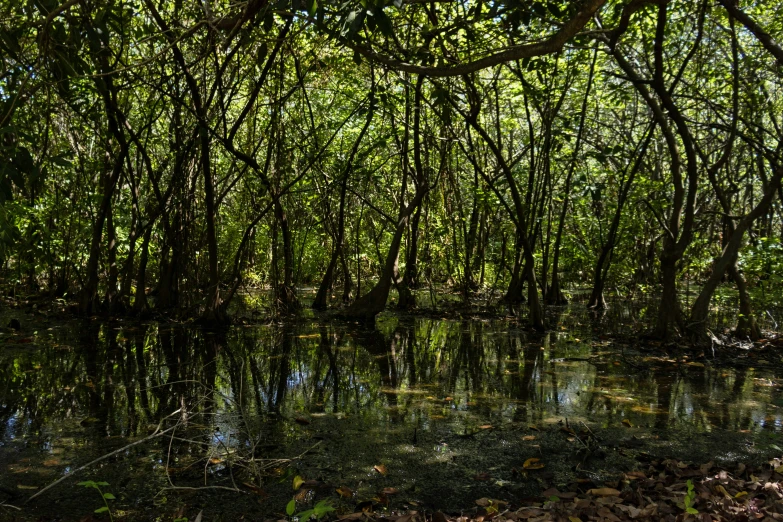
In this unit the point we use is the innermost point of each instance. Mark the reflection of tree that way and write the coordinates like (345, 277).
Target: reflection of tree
(382, 351)
(663, 379)
(523, 384)
(120, 380)
(88, 348)
(279, 369)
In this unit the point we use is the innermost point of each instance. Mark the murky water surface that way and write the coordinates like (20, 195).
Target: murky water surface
(449, 410)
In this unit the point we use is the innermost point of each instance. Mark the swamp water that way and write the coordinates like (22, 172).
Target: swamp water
(417, 413)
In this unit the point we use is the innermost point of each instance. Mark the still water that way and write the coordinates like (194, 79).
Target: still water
(421, 413)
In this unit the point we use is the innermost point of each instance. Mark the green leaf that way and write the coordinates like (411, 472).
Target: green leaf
(104, 509)
(290, 508)
(109, 496)
(692, 511)
(103, 483)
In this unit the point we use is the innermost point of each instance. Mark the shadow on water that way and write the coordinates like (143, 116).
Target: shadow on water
(452, 409)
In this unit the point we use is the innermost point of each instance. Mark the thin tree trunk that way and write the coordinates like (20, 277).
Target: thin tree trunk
(555, 294)
(320, 301)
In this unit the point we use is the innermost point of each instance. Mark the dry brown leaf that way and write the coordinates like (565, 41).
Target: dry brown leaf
(380, 468)
(529, 437)
(627, 423)
(255, 489)
(603, 492)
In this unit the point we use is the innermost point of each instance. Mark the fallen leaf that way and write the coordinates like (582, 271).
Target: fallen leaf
(380, 468)
(529, 437)
(345, 492)
(720, 489)
(390, 491)
(575, 519)
(627, 423)
(533, 463)
(603, 492)
(485, 427)
(302, 495)
(255, 489)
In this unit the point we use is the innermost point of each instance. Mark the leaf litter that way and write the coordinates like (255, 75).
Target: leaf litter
(666, 490)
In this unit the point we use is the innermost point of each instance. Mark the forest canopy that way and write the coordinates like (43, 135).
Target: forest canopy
(166, 156)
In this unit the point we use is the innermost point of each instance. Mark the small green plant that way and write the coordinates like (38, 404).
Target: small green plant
(320, 510)
(689, 500)
(104, 496)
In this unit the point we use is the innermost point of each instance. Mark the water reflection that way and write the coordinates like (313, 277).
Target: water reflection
(410, 387)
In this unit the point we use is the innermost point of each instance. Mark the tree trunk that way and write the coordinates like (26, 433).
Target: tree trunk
(320, 301)
(669, 312)
(727, 261)
(410, 277)
(373, 302)
(140, 306)
(110, 300)
(555, 295)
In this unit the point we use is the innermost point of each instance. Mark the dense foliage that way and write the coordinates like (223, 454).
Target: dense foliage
(164, 155)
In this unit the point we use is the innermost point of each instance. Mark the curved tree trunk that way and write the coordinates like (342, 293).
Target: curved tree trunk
(701, 307)
(373, 302)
